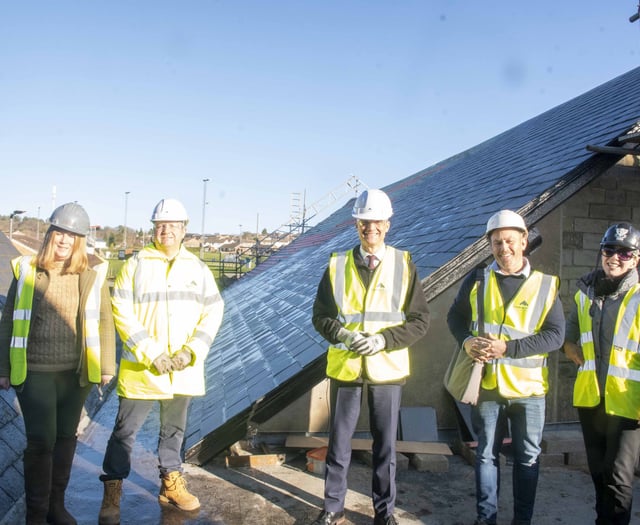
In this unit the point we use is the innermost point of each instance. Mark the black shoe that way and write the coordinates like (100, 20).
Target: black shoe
(329, 518)
(379, 520)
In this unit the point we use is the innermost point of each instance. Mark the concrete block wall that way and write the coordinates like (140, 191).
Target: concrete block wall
(612, 197)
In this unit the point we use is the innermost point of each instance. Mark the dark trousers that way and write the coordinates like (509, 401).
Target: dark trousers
(612, 444)
(51, 405)
(132, 413)
(384, 408)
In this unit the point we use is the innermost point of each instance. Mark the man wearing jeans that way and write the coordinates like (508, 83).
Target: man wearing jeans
(523, 321)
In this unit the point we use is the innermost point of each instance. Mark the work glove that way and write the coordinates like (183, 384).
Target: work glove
(348, 337)
(369, 344)
(163, 364)
(181, 359)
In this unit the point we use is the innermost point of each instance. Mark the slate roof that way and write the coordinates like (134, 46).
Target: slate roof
(12, 436)
(267, 352)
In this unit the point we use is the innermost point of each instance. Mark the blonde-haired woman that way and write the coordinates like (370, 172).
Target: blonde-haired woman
(57, 339)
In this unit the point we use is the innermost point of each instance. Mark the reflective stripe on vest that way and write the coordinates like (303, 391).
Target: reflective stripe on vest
(622, 386)
(369, 310)
(523, 316)
(25, 274)
(92, 324)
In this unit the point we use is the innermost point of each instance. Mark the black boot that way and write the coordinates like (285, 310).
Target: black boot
(63, 452)
(37, 482)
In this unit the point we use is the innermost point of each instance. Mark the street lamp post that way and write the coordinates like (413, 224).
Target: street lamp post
(204, 207)
(126, 201)
(14, 214)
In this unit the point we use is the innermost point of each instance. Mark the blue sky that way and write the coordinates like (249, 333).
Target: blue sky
(269, 98)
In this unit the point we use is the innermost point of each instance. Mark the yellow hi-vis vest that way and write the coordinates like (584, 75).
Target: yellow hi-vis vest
(622, 387)
(25, 273)
(362, 310)
(521, 317)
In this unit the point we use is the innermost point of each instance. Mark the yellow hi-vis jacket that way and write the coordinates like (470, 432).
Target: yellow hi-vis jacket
(161, 306)
(369, 310)
(25, 274)
(622, 386)
(523, 316)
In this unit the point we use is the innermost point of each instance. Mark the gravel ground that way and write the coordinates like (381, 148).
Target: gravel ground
(288, 494)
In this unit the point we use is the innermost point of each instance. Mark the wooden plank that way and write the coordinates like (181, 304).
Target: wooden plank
(255, 460)
(407, 447)
(296, 441)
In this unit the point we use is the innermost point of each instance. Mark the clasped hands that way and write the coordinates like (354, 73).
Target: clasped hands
(483, 349)
(165, 363)
(362, 343)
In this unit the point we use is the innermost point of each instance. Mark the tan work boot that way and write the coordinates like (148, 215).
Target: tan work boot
(110, 509)
(174, 491)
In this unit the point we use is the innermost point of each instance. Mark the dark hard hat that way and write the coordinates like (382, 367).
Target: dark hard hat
(622, 234)
(72, 218)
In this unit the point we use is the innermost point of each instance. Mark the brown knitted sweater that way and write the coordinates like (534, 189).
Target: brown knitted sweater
(53, 341)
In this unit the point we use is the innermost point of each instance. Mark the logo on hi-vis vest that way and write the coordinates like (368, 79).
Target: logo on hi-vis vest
(523, 305)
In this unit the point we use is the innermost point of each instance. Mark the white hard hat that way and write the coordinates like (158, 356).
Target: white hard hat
(506, 219)
(169, 210)
(372, 205)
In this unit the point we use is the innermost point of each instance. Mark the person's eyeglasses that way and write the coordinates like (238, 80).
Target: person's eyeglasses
(622, 253)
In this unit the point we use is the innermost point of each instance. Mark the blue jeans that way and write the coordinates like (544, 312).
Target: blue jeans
(492, 418)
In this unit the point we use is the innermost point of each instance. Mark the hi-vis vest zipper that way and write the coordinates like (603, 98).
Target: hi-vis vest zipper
(25, 273)
(622, 387)
(521, 317)
(362, 310)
